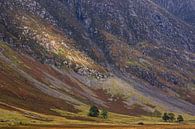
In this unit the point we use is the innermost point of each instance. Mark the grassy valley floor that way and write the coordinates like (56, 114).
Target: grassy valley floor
(66, 120)
(109, 127)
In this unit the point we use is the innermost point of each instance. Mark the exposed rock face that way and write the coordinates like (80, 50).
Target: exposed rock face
(42, 40)
(180, 8)
(132, 21)
(134, 39)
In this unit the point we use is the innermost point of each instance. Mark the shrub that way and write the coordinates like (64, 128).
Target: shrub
(180, 118)
(104, 114)
(93, 111)
(141, 123)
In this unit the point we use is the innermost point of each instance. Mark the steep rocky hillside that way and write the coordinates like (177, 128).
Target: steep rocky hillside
(30, 85)
(180, 8)
(131, 57)
(29, 34)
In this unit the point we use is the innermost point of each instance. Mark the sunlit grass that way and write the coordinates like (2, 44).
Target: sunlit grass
(14, 118)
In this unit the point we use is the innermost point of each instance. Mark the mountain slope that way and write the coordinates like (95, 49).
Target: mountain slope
(130, 57)
(51, 89)
(182, 9)
(115, 25)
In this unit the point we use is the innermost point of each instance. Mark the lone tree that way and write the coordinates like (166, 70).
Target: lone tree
(104, 114)
(180, 118)
(94, 111)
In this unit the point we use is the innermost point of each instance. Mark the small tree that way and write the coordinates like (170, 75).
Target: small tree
(104, 114)
(168, 117)
(94, 111)
(180, 118)
(171, 117)
(165, 117)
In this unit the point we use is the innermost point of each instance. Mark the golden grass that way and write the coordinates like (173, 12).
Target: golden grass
(112, 127)
(13, 119)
